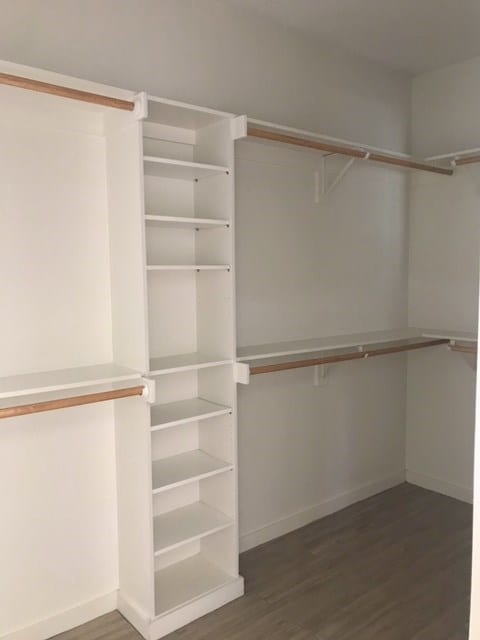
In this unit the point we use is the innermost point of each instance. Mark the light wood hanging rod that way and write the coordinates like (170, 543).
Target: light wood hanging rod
(467, 160)
(65, 92)
(464, 348)
(352, 152)
(75, 401)
(353, 355)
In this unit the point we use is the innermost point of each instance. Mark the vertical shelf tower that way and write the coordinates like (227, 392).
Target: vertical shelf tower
(178, 523)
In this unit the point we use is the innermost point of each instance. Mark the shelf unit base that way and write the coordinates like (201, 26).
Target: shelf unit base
(160, 626)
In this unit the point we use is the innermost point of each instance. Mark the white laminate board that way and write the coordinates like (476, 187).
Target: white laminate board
(186, 467)
(183, 222)
(186, 524)
(188, 267)
(324, 344)
(185, 362)
(60, 379)
(176, 413)
(184, 581)
(180, 169)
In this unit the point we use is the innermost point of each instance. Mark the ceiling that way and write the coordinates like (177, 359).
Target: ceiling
(410, 35)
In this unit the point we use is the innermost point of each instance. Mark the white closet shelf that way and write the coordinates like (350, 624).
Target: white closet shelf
(185, 362)
(180, 169)
(296, 347)
(188, 267)
(458, 336)
(173, 414)
(186, 524)
(355, 340)
(187, 223)
(184, 581)
(64, 379)
(181, 469)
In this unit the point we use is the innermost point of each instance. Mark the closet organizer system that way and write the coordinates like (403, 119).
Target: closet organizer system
(133, 295)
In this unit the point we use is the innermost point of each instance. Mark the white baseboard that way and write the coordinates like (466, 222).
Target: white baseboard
(133, 613)
(306, 516)
(465, 494)
(65, 620)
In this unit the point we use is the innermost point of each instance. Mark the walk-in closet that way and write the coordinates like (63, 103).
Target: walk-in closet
(239, 258)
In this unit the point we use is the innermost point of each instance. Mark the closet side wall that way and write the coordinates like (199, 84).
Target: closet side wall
(443, 281)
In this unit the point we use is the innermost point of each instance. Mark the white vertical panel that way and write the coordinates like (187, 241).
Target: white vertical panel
(126, 232)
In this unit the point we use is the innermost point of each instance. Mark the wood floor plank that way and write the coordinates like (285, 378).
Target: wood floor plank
(393, 567)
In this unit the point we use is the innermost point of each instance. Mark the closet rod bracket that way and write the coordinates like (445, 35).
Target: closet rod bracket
(140, 110)
(149, 390)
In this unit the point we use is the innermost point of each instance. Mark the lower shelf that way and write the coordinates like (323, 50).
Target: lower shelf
(195, 521)
(184, 581)
(186, 467)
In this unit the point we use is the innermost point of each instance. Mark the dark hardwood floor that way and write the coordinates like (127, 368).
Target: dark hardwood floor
(393, 567)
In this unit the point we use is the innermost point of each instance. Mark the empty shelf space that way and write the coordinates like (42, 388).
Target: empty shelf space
(180, 169)
(186, 524)
(62, 379)
(186, 223)
(175, 471)
(182, 115)
(184, 581)
(184, 362)
(188, 267)
(173, 414)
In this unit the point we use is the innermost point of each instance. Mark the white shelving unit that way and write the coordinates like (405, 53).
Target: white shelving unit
(187, 538)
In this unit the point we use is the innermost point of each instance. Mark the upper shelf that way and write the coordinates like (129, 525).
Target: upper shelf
(297, 347)
(184, 362)
(63, 379)
(268, 131)
(180, 169)
(182, 115)
(268, 358)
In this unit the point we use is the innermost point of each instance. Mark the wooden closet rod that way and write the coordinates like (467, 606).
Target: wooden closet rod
(467, 160)
(65, 92)
(75, 401)
(346, 151)
(353, 355)
(463, 348)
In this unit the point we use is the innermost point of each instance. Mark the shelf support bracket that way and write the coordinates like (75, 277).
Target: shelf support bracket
(327, 189)
(320, 375)
(241, 373)
(238, 127)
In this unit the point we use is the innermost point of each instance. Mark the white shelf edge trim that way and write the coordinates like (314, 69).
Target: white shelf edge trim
(179, 221)
(193, 366)
(186, 164)
(188, 267)
(197, 465)
(210, 410)
(197, 521)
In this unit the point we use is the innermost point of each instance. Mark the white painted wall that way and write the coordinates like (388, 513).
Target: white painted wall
(305, 270)
(303, 450)
(443, 281)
